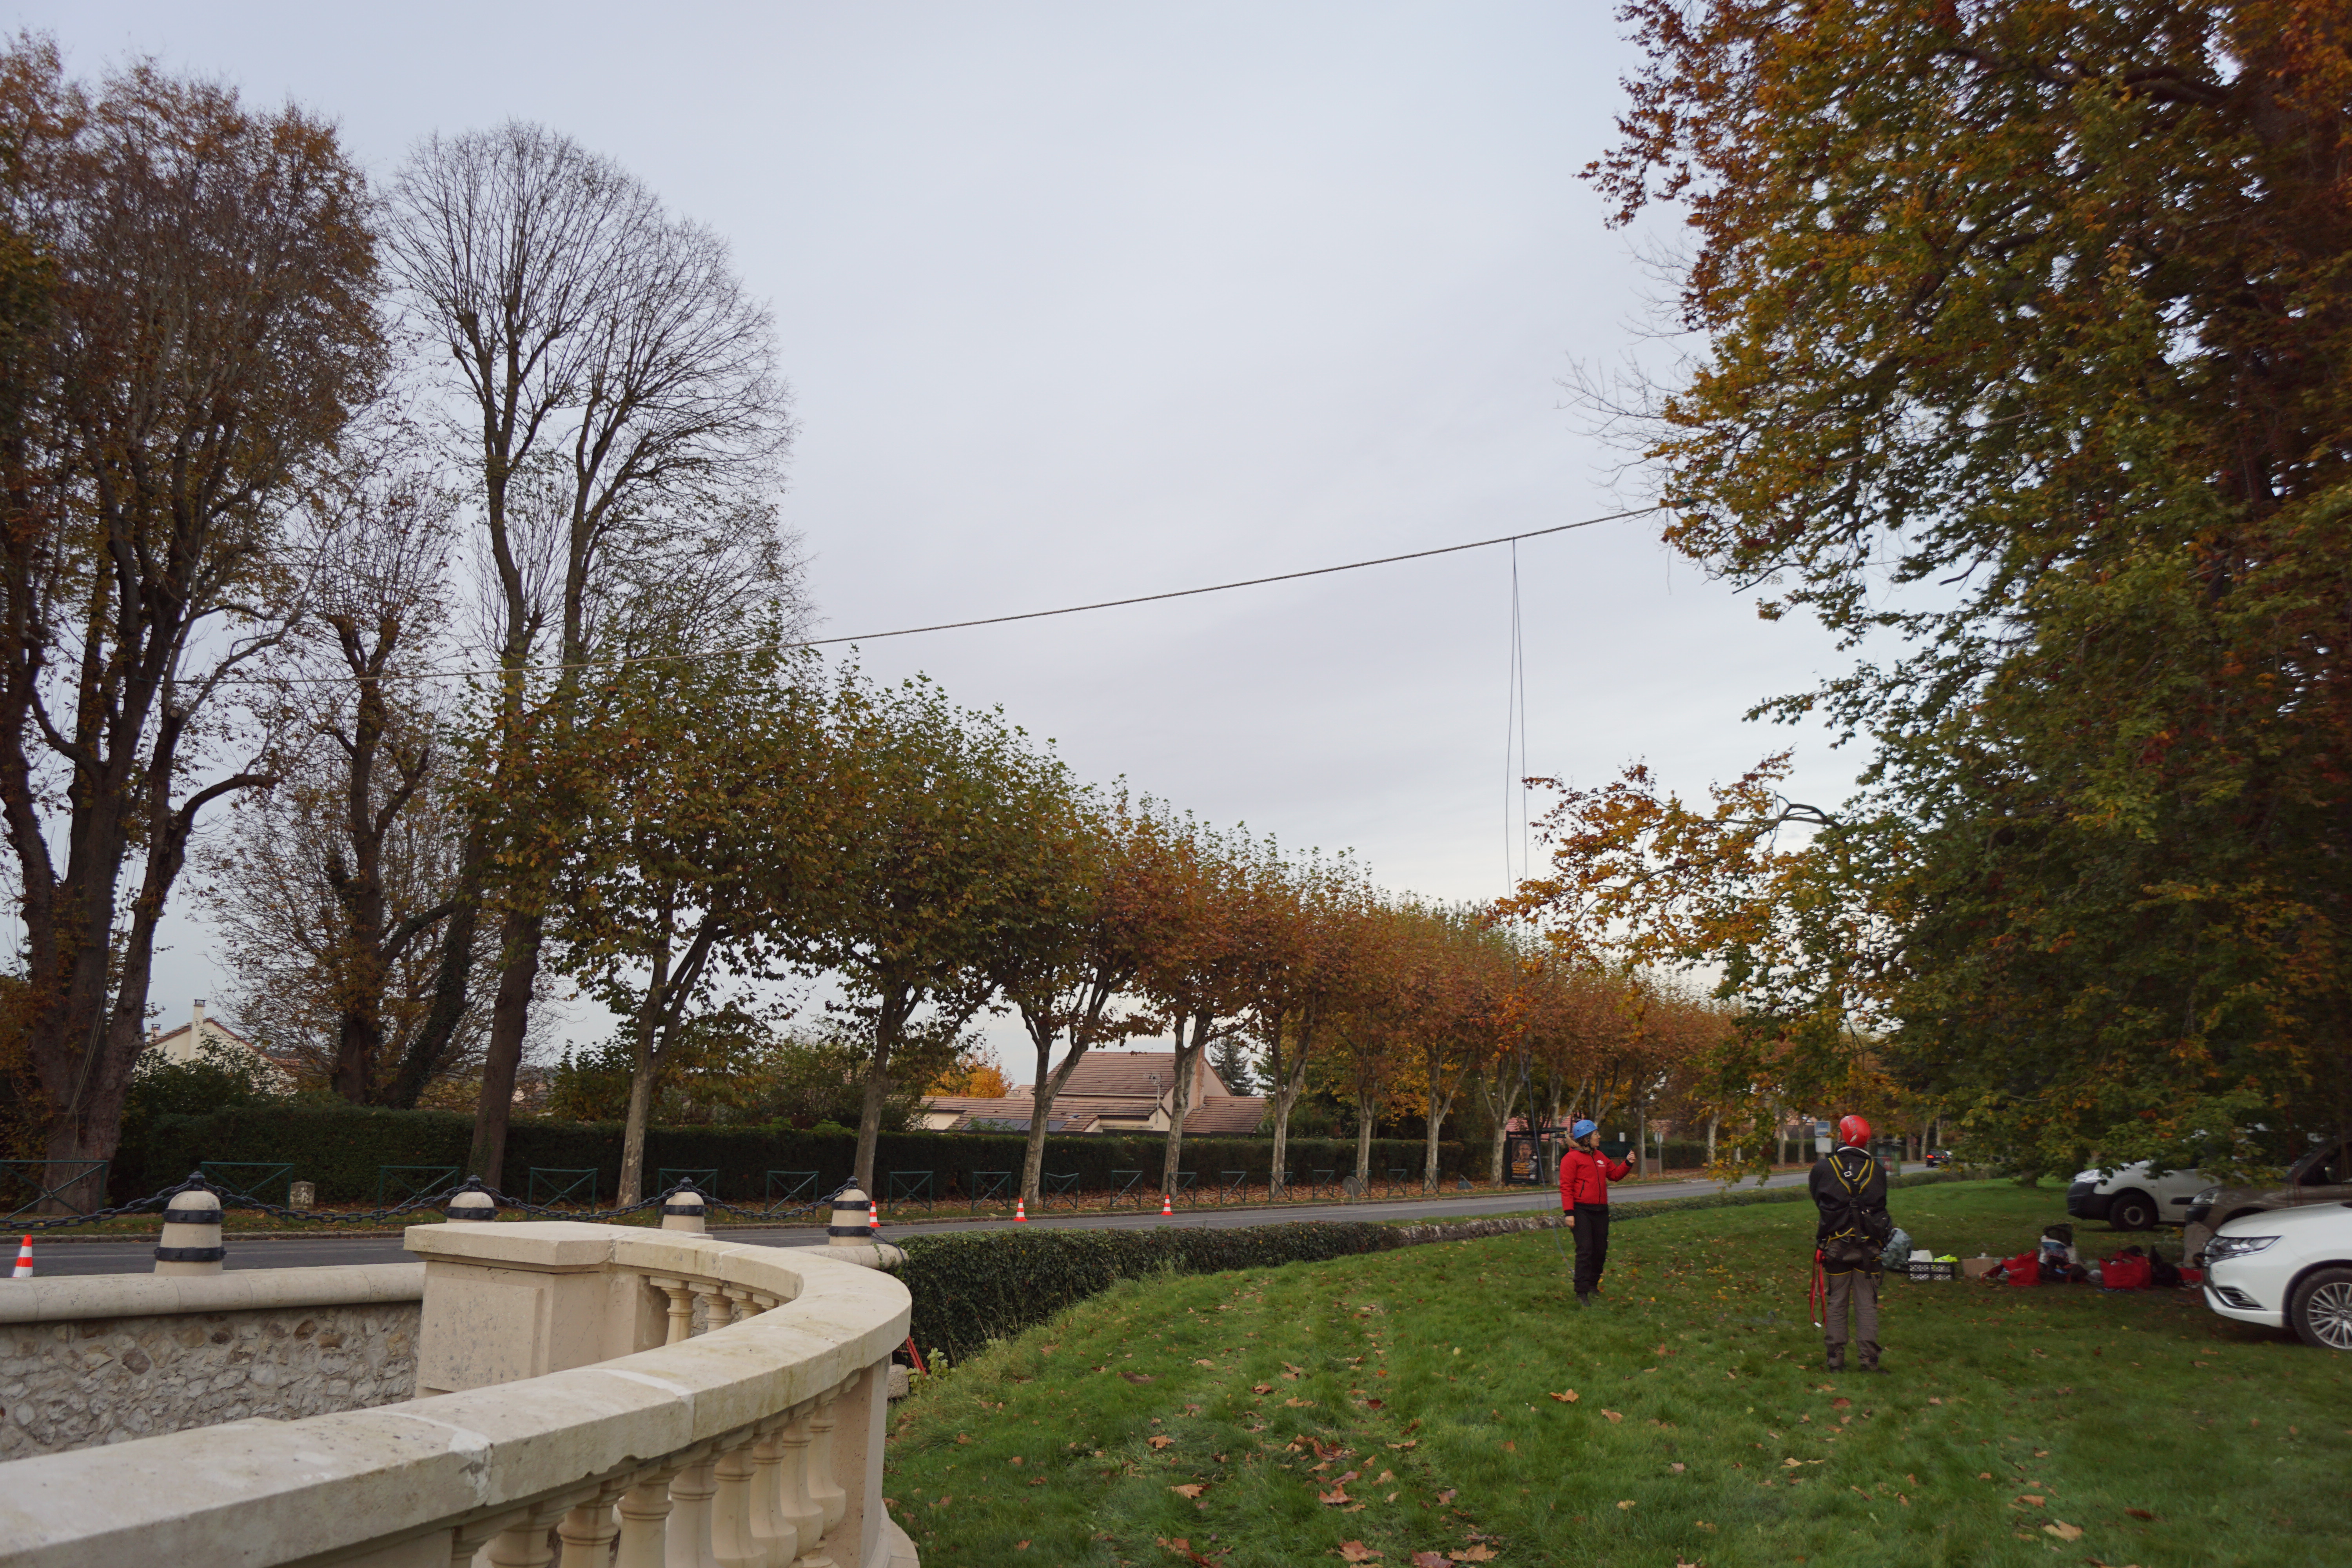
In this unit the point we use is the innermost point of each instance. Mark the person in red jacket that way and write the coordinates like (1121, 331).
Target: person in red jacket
(1585, 1174)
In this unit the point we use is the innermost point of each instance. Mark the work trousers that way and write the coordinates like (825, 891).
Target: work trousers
(1591, 1246)
(1860, 1287)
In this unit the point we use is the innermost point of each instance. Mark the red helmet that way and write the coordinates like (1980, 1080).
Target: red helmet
(1854, 1132)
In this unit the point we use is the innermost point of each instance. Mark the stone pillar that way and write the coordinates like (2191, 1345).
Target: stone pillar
(684, 1210)
(192, 1232)
(472, 1204)
(852, 1215)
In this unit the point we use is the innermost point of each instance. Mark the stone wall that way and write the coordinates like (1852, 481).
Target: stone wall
(74, 1383)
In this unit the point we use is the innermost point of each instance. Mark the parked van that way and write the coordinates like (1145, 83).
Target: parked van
(2135, 1197)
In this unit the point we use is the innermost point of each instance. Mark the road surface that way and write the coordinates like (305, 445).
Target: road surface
(252, 1251)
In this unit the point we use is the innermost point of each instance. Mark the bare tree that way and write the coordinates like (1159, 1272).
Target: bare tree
(329, 887)
(612, 388)
(209, 328)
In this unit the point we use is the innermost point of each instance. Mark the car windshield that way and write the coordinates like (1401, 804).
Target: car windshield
(2325, 1167)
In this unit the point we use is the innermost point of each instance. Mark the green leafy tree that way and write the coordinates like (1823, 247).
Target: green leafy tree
(2022, 330)
(946, 858)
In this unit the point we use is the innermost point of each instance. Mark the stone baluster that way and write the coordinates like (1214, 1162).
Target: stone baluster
(733, 1543)
(645, 1516)
(822, 1487)
(708, 1294)
(687, 1542)
(795, 1507)
(739, 1302)
(589, 1531)
(778, 1536)
(523, 1544)
(681, 1307)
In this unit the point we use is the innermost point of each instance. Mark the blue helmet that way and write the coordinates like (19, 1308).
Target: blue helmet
(1582, 1129)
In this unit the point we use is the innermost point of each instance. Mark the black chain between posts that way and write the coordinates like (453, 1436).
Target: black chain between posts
(228, 1199)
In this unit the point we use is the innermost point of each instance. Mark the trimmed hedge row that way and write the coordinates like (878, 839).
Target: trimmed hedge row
(341, 1148)
(970, 1290)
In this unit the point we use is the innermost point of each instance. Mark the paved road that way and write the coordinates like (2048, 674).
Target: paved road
(275, 1252)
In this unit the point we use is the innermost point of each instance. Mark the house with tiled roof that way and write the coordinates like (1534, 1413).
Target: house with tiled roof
(187, 1044)
(1109, 1091)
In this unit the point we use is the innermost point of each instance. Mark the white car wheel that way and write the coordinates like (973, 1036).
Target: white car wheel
(2322, 1312)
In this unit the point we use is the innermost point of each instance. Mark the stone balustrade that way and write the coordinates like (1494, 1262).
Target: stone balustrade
(587, 1394)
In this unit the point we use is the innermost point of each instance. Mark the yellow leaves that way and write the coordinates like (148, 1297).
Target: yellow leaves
(1190, 1490)
(1157, 1443)
(1615, 1416)
(1566, 1397)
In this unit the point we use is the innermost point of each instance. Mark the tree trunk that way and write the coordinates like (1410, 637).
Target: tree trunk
(1289, 1083)
(1711, 1121)
(509, 1017)
(453, 982)
(1434, 1120)
(1042, 1090)
(641, 1074)
(1187, 1059)
(1366, 1107)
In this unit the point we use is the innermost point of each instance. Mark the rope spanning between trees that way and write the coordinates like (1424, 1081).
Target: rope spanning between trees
(229, 1198)
(503, 673)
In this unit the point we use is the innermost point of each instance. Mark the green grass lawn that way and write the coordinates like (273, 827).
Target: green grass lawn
(1390, 1408)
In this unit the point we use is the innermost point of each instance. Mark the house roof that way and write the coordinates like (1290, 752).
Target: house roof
(1233, 1113)
(1132, 1074)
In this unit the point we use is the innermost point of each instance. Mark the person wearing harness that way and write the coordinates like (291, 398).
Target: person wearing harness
(1585, 1174)
(1850, 1190)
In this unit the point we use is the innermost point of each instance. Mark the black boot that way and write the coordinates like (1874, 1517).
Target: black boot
(1870, 1358)
(1836, 1360)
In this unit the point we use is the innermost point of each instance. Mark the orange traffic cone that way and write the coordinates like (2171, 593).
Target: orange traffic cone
(24, 1260)
(873, 1214)
(1167, 1205)
(1021, 1211)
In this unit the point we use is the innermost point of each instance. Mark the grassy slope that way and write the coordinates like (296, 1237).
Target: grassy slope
(1433, 1368)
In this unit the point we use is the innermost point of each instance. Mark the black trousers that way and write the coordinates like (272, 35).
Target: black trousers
(1591, 1246)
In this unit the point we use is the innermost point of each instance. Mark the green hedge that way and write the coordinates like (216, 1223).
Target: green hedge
(341, 1147)
(970, 1290)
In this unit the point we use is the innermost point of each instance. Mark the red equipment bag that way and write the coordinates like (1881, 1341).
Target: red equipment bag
(2025, 1268)
(2125, 1274)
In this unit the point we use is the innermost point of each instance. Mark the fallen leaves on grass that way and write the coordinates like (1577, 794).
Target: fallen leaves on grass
(1565, 1397)
(1182, 1548)
(1840, 1404)
(1162, 1442)
(1298, 1403)
(1429, 1560)
(1137, 1376)
(1356, 1552)
(1679, 1468)
(1627, 1503)
(1334, 1496)
(1448, 1495)
(1261, 1388)
(2064, 1531)
(1471, 1554)
(1209, 1363)
(1614, 1416)
(2033, 1498)
(1190, 1490)
(2140, 1513)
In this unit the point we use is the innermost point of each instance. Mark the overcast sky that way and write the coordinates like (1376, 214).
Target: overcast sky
(1082, 301)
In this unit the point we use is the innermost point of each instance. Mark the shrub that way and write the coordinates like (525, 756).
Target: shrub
(970, 1290)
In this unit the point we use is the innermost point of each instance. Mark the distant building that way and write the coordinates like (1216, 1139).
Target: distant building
(1109, 1091)
(187, 1043)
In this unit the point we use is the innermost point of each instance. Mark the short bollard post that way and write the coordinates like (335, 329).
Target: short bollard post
(192, 1232)
(472, 1204)
(684, 1210)
(852, 1223)
(302, 1195)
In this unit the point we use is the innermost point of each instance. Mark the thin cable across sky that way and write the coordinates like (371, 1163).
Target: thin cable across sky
(991, 620)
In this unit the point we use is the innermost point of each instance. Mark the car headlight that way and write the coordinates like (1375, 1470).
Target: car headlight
(2223, 1247)
(2210, 1196)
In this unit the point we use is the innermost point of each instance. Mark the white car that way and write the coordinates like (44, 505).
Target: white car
(2286, 1268)
(2135, 1197)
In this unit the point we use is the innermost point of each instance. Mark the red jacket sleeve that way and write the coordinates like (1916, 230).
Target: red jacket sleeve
(1618, 1170)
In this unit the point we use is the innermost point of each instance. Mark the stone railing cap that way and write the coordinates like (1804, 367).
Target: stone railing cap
(557, 1246)
(74, 1297)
